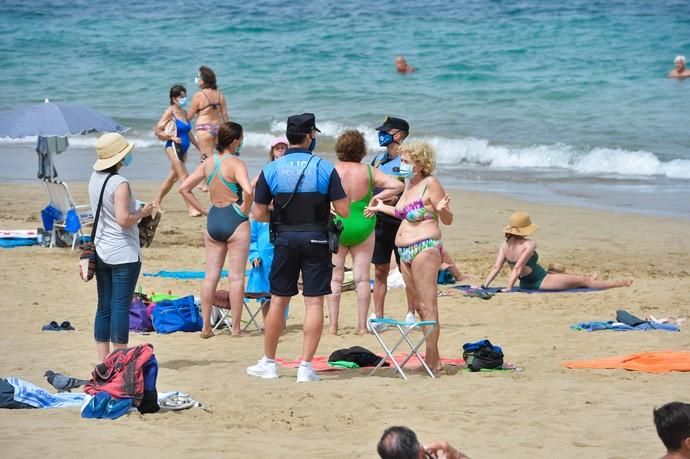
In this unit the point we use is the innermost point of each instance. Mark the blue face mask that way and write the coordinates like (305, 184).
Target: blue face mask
(182, 101)
(406, 170)
(312, 145)
(127, 160)
(385, 138)
(239, 147)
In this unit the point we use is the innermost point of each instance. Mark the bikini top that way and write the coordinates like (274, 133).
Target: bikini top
(214, 105)
(416, 211)
(234, 187)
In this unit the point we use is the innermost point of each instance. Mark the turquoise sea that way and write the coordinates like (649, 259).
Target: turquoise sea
(541, 99)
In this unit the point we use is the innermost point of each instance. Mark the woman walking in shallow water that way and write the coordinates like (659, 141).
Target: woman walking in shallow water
(521, 255)
(176, 146)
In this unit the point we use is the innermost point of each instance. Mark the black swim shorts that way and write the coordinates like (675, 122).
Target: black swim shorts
(304, 252)
(386, 229)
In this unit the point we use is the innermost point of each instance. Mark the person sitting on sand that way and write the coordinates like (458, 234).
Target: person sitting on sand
(400, 442)
(227, 226)
(679, 71)
(673, 427)
(401, 65)
(520, 254)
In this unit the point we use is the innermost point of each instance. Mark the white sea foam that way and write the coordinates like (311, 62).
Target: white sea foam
(463, 152)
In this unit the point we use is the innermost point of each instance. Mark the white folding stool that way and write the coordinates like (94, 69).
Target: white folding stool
(225, 311)
(405, 329)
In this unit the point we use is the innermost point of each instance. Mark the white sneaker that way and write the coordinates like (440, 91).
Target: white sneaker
(307, 374)
(395, 279)
(410, 318)
(378, 327)
(263, 369)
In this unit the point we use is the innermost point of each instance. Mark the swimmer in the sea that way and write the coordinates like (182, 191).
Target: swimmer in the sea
(680, 71)
(402, 66)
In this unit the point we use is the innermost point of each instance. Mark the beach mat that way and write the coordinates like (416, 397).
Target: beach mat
(320, 362)
(18, 234)
(648, 362)
(467, 288)
(9, 243)
(618, 326)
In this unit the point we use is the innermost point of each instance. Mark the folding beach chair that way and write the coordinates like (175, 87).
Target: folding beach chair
(60, 197)
(405, 329)
(222, 306)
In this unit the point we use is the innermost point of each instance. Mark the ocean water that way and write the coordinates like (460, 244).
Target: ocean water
(539, 99)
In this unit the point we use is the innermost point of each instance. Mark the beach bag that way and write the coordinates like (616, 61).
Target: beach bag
(169, 129)
(139, 318)
(87, 258)
(49, 215)
(482, 355)
(170, 316)
(445, 277)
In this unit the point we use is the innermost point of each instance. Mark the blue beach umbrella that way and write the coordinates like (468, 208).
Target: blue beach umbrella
(51, 121)
(54, 119)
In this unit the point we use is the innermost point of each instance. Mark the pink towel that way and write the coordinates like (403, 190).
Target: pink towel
(320, 362)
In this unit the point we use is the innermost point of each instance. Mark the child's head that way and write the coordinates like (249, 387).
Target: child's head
(278, 147)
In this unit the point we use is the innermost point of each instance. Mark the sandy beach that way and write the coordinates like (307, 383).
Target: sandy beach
(542, 411)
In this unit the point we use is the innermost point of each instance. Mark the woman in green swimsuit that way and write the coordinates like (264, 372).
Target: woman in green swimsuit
(361, 183)
(520, 254)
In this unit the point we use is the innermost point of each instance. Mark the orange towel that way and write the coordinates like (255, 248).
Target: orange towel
(649, 362)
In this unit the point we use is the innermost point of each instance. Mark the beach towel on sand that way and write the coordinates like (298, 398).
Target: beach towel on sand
(466, 288)
(320, 362)
(648, 362)
(618, 326)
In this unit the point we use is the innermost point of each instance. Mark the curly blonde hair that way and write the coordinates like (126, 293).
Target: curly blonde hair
(423, 154)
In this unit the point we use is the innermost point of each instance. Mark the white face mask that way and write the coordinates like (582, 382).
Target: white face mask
(197, 80)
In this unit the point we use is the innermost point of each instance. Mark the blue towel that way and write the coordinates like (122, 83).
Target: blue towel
(618, 326)
(182, 274)
(28, 393)
(8, 243)
(465, 288)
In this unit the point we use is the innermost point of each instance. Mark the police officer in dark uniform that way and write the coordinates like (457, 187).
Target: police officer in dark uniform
(392, 133)
(301, 188)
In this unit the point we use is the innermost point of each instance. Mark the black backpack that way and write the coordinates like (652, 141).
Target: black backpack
(483, 354)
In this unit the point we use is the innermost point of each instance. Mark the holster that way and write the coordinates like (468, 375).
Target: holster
(334, 227)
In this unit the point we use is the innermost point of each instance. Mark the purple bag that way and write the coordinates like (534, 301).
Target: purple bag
(139, 318)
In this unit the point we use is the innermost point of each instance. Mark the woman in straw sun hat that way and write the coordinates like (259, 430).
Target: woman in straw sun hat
(520, 254)
(118, 255)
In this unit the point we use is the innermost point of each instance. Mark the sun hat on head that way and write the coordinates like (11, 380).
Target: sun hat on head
(279, 140)
(679, 58)
(520, 225)
(111, 149)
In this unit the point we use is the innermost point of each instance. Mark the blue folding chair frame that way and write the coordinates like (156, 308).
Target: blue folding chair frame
(405, 329)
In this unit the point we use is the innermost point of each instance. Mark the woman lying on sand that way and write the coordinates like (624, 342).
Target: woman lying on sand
(520, 254)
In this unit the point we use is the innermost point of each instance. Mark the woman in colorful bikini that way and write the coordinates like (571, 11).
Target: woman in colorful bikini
(357, 238)
(176, 147)
(424, 202)
(210, 108)
(227, 227)
(521, 255)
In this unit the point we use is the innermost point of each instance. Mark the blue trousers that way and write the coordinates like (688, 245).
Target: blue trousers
(116, 284)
